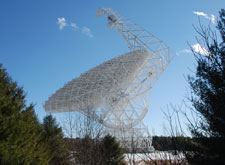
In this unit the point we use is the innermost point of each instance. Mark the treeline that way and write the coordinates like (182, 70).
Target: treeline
(99, 151)
(166, 143)
(25, 140)
(206, 119)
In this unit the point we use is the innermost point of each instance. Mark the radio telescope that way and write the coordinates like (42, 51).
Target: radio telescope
(116, 93)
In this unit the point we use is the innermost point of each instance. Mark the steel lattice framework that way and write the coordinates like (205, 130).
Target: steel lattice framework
(116, 92)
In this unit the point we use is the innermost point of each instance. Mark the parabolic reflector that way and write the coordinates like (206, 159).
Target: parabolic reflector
(89, 90)
(117, 92)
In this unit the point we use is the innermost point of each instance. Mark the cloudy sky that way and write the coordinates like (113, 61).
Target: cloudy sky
(44, 44)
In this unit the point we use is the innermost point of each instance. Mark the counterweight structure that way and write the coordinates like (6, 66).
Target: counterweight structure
(116, 93)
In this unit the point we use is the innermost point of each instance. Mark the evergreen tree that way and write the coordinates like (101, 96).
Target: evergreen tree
(57, 145)
(86, 151)
(111, 151)
(20, 130)
(106, 151)
(208, 99)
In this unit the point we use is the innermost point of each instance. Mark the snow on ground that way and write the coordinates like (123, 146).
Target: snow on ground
(140, 158)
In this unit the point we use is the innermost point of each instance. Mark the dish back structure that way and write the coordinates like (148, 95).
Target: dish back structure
(116, 93)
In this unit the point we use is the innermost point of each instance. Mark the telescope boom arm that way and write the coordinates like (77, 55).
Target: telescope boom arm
(136, 37)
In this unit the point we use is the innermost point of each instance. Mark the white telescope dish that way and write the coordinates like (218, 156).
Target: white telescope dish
(116, 92)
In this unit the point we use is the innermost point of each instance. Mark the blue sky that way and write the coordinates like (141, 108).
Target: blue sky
(42, 57)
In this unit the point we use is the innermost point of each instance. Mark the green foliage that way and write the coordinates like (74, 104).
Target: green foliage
(104, 151)
(166, 143)
(20, 131)
(86, 151)
(208, 99)
(56, 144)
(111, 151)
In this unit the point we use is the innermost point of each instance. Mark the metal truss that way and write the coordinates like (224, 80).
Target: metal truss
(136, 37)
(116, 93)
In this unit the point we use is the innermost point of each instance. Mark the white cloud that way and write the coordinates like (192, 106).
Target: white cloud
(74, 26)
(199, 49)
(186, 51)
(196, 48)
(62, 23)
(87, 31)
(199, 13)
(212, 17)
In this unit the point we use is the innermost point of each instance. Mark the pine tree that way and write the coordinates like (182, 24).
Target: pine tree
(56, 143)
(105, 151)
(20, 130)
(208, 99)
(111, 151)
